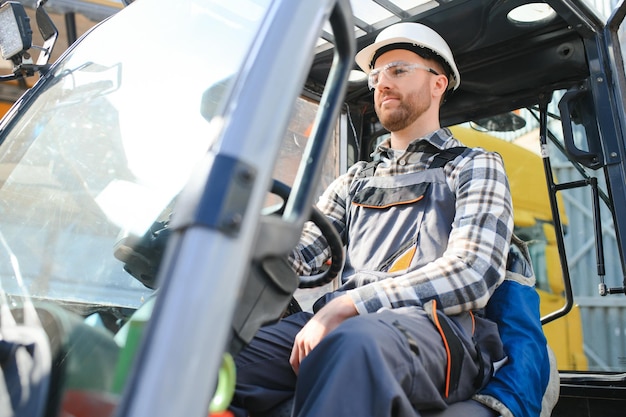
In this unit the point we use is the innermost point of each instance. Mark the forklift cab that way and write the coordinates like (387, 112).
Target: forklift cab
(137, 227)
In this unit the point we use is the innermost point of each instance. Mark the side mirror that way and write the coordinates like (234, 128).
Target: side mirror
(506, 122)
(16, 35)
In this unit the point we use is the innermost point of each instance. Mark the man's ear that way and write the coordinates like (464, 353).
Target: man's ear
(440, 85)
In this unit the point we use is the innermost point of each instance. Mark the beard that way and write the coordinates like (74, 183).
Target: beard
(409, 109)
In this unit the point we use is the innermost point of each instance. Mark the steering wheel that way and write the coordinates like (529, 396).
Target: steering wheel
(328, 231)
(142, 255)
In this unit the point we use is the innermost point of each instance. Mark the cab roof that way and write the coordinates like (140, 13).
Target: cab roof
(504, 63)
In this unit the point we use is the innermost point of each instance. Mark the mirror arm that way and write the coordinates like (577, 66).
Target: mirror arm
(49, 33)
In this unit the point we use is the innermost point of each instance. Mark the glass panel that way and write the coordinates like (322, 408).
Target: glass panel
(593, 321)
(409, 4)
(369, 12)
(603, 8)
(90, 172)
(590, 336)
(90, 162)
(288, 163)
(295, 141)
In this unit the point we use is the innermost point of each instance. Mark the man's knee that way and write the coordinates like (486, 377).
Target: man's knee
(359, 331)
(359, 340)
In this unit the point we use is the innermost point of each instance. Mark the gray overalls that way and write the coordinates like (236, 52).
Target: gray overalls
(413, 212)
(392, 362)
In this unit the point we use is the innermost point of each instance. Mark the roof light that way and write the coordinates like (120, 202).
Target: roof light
(531, 13)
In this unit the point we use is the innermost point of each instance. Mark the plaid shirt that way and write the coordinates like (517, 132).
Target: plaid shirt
(474, 262)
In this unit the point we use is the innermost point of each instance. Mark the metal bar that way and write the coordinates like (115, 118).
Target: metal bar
(70, 27)
(307, 178)
(613, 48)
(392, 8)
(556, 215)
(597, 223)
(555, 141)
(363, 25)
(570, 185)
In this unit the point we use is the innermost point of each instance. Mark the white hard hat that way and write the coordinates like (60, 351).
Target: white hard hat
(411, 36)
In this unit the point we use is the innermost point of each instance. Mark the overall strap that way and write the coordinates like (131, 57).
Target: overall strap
(446, 156)
(441, 158)
(370, 168)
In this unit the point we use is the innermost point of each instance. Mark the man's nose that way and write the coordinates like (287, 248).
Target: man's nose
(384, 81)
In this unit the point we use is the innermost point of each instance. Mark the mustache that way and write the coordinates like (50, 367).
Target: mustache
(388, 93)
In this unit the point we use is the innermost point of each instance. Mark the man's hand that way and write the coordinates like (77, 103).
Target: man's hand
(322, 323)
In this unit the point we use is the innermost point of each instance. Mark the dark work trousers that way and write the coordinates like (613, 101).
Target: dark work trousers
(388, 363)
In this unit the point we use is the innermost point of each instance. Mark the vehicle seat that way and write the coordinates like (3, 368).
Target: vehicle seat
(469, 407)
(461, 409)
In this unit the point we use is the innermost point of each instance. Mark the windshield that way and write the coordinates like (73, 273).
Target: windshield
(109, 142)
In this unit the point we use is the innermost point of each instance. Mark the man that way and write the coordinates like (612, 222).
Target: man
(427, 231)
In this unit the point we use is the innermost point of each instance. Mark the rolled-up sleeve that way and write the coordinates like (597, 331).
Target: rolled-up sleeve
(312, 252)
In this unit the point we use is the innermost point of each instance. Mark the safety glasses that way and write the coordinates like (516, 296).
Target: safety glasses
(395, 70)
